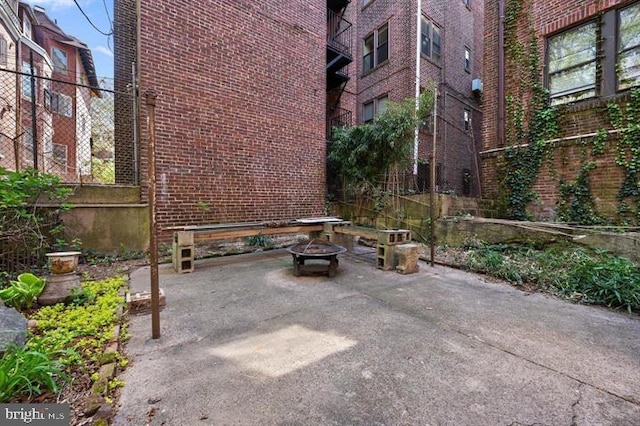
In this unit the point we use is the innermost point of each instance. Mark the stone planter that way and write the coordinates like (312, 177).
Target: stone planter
(63, 278)
(64, 262)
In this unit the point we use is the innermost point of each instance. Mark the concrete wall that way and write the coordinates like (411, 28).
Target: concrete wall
(107, 219)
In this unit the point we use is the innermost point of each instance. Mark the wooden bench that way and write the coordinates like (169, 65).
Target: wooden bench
(185, 237)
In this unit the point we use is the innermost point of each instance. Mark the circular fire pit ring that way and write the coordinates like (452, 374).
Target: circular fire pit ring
(315, 249)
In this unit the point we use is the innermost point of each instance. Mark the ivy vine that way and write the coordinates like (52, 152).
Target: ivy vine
(625, 119)
(530, 121)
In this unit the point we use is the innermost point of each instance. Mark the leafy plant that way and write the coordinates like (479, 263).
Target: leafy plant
(259, 240)
(24, 226)
(84, 328)
(22, 292)
(28, 371)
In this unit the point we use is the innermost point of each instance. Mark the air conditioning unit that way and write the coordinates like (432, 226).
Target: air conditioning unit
(476, 85)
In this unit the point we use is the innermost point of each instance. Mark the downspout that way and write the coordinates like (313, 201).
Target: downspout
(416, 136)
(501, 73)
(136, 94)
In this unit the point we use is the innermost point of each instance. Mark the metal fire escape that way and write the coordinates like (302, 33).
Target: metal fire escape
(339, 46)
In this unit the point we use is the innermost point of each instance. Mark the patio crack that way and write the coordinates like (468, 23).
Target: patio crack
(574, 418)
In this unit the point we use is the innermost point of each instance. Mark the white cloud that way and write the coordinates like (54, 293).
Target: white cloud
(104, 50)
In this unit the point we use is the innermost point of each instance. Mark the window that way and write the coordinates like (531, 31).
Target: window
(4, 51)
(59, 103)
(26, 27)
(467, 59)
(374, 108)
(60, 154)
(467, 3)
(430, 36)
(26, 79)
(467, 120)
(366, 2)
(572, 64)
(376, 48)
(629, 47)
(59, 58)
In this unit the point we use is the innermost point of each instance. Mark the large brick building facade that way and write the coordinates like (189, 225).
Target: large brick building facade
(588, 52)
(240, 115)
(384, 70)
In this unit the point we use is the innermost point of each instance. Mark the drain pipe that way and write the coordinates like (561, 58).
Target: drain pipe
(416, 136)
(501, 73)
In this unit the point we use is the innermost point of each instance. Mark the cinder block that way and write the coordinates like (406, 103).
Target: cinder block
(183, 258)
(140, 303)
(394, 236)
(407, 256)
(183, 238)
(386, 258)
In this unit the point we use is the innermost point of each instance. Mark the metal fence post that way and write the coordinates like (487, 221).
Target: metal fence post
(153, 242)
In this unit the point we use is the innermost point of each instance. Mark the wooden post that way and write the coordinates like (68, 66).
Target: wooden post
(153, 241)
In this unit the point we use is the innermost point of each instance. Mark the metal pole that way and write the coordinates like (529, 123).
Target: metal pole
(416, 135)
(153, 242)
(432, 189)
(34, 123)
(134, 91)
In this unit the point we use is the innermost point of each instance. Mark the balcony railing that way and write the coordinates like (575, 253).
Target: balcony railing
(340, 118)
(339, 33)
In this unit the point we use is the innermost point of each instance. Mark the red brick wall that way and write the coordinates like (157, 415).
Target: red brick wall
(240, 116)
(578, 119)
(459, 27)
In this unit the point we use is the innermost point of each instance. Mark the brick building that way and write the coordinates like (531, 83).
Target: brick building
(240, 115)
(384, 69)
(588, 51)
(67, 97)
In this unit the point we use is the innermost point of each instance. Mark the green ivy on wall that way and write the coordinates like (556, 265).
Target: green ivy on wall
(529, 120)
(576, 203)
(625, 119)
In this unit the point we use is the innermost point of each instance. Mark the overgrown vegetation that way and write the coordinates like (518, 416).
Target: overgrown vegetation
(28, 372)
(68, 341)
(530, 120)
(370, 155)
(626, 120)
(27, 230)
(584, 275)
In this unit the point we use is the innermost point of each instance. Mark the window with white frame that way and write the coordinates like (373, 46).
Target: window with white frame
(572, 64)
(629, 47)
(467, 59)
(375, 48)
(26, 27)
(26, 79)
(430, 39)
(467, 120)
(373, 108)
(59, 58)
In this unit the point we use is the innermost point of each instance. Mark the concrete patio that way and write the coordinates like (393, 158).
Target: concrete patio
(244, 342)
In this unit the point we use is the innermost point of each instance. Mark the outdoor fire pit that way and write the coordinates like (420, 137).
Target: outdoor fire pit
(312, 250)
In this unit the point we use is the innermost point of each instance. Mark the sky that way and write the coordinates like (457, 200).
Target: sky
(71, 20)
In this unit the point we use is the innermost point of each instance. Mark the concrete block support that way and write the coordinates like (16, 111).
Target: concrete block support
(407, 256)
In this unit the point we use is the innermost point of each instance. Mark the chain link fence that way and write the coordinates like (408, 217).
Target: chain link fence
(65, 129)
